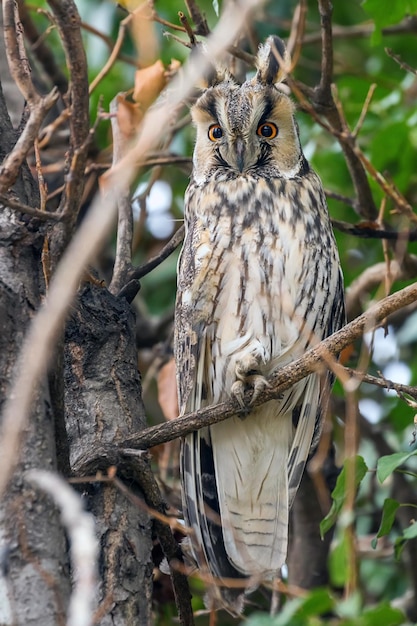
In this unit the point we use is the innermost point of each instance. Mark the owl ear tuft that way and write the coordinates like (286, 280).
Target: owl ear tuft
(215, 73)
(272, 61)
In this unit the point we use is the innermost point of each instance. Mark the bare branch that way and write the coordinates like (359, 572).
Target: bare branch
(114, 55)
(401, 63)
(284, 378)
(324, 88)
(384, 383)
(409, 25)
(123, 259)
(166, 251)
(16, 205)
(69, 26)
(41, 50)
(366, 231)
(374, 276)
(38, 105)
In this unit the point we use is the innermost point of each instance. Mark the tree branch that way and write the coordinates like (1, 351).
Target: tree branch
(38, 105)
(69, 26)
(284, 378)
(366, 231)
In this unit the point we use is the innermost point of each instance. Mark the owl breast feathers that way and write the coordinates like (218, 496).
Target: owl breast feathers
(259, 282)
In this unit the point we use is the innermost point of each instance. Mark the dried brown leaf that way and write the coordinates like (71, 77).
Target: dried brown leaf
(167, 390)
(149, 83)
(129, 116)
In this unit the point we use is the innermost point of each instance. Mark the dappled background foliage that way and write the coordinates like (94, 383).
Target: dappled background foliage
(373, 91)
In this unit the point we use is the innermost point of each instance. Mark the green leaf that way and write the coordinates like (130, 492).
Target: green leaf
(339, 492)
(338, 561)
(350, 607)
(216, 8)
(387, 13)
(387, 464)
(388, 516)
(409, 533)
(382, 614)
(319, 601)
(286, 616)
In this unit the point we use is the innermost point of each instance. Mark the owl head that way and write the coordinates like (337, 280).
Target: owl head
(248, 129)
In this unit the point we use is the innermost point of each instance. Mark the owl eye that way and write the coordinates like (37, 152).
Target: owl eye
(215, 132)
(268, 130)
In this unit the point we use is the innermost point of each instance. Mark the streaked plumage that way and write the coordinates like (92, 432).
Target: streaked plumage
(258, 282)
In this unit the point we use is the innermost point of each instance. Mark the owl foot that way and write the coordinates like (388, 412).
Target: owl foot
(248, 375)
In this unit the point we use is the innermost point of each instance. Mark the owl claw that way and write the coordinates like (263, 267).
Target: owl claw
(259, 383)
(247, 374)
(238, 393)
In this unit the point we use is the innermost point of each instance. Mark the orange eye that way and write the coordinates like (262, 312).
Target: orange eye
(215, 132)
(267, 130)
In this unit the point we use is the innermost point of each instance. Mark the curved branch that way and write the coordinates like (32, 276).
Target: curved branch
(38, 105)
(314, 359)
(69, 26)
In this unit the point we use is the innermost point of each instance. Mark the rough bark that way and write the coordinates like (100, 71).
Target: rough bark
(34, 581)
(103, 405)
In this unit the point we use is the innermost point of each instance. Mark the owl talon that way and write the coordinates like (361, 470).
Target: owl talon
(247, 374)
(238, 393)
(259, 383)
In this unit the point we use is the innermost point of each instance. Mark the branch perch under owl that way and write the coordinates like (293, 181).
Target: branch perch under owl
(280, 380)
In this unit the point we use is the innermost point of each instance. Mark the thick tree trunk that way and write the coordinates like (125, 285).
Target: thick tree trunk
(34, 581)
(104, 406)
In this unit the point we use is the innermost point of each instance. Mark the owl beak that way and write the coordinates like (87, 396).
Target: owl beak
(240, 154)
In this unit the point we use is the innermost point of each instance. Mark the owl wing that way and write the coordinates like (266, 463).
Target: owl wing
(310, 414)
(194, 334)
(188, 344)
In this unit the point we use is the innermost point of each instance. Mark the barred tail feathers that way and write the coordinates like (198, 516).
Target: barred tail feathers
(250, 461)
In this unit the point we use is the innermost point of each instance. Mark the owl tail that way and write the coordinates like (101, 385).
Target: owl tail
(235, 477)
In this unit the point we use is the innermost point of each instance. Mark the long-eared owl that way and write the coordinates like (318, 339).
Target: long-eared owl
(259, 282)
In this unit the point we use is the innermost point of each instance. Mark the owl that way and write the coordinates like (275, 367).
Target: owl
(259, 282)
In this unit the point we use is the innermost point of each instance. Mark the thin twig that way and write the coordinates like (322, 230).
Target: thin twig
(372, 277)
(364, 111)
(405, 66)
(40, 49)
(389, 189)
(160, 20)
(201, 26)
(109, 41)
(114, 55)
(65, 12)
(295, 39)
(123, 257)
(365, 230)
(38, 105)
(187, 28)
(384, 383)
(16, 205)
(409, 25)
(324, 88)
(166, 251)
